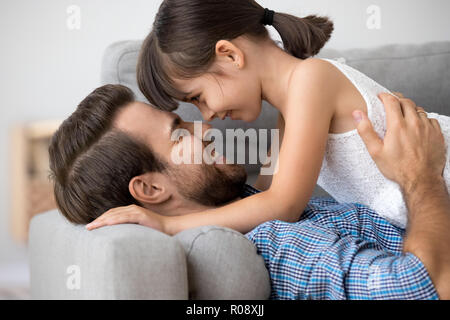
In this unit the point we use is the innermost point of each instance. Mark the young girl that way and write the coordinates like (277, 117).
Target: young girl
(218, 55)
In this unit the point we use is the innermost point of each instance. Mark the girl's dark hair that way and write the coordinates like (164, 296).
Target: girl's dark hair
(91, 162)
(185, 32)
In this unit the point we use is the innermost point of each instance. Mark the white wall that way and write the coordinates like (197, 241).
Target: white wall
(46, 69)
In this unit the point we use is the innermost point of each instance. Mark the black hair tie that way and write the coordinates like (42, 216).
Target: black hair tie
(268, 17)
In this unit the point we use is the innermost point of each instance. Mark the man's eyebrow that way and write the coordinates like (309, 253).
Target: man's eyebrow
(175, 123)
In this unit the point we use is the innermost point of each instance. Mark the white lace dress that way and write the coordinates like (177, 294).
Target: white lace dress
(348, 172)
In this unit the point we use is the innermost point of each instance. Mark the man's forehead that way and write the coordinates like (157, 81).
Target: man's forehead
(141, 118)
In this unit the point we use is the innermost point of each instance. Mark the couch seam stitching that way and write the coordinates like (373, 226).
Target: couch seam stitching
(205, 232)
(119, 61)
(397, 58)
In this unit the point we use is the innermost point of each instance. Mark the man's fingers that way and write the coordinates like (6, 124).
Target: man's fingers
(367, 133)
(409, 110)
(398, 95)
(422, 113)
(435, 124)
(394, 113)
(420, 109)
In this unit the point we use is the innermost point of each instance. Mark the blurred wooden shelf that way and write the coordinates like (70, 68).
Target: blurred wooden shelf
(31, 189)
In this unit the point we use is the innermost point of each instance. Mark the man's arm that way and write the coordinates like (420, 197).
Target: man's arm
(413, 155)
(428, 235)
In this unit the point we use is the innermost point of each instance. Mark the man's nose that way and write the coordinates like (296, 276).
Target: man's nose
(207, 114)
(205, 127)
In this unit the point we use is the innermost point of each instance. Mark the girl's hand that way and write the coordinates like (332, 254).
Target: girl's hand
(129, 214)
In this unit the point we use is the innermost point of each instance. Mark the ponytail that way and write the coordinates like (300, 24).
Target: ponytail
(303, 37)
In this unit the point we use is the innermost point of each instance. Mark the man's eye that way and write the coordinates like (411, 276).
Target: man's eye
(179, 138)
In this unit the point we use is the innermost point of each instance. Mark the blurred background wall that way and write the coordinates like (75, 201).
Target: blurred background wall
(48, 63)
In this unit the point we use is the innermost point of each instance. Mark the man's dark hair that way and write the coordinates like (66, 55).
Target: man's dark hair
(91, 162)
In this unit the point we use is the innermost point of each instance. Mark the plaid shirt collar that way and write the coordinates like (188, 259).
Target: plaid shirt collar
(248, 190)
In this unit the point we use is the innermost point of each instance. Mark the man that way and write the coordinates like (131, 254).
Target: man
(116, 152)
(113, 151)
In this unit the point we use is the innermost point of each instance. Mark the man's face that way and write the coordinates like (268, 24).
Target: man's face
(208, 184)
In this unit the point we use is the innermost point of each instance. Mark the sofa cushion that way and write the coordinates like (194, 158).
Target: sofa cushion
(223, 264)
(115, 262)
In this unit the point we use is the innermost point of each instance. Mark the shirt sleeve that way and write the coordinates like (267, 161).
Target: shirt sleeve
(377, 275)
(307, 261)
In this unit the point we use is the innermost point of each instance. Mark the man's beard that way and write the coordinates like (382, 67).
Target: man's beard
(210, 185)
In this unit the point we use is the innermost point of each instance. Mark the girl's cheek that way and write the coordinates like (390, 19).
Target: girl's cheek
(248, 115)
(213, 108)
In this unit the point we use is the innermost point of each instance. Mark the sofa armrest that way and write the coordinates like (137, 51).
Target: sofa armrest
(116, 262)
(223, 265)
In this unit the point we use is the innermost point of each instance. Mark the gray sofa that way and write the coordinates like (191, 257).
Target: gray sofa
(134, 262)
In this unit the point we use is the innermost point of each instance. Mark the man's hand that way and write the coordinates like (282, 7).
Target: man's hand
(413, 155)
(413, 149)
(129, 214)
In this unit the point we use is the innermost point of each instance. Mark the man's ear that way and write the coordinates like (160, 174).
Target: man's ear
(149, 188)
(226, 51)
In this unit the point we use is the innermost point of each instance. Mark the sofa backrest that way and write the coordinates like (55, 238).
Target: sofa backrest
(420, 72)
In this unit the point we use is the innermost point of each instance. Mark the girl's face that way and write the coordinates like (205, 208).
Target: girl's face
(230, 88)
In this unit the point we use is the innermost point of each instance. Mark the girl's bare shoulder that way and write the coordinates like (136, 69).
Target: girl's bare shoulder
(315, 73)
(314, 81)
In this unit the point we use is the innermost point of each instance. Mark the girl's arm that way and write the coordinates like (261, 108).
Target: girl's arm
(263, 181)
(307, 115)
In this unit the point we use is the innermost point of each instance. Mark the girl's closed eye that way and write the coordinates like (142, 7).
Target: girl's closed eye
(196, 98)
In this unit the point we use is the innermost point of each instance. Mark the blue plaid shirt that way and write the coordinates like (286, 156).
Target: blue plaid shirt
(339, 251)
